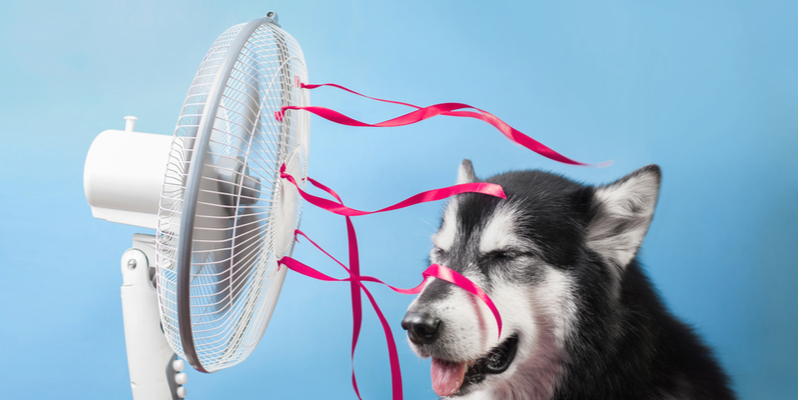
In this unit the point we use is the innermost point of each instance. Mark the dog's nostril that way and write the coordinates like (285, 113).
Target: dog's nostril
(422, 328)
(425, 330)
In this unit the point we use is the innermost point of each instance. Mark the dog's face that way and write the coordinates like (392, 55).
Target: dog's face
(527, 253)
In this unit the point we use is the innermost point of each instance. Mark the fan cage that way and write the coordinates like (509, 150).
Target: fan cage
(235, 280)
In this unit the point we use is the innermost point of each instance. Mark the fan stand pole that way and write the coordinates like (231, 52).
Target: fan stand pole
(154, 368)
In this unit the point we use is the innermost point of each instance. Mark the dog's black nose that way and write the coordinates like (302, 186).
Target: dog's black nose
(422, 328)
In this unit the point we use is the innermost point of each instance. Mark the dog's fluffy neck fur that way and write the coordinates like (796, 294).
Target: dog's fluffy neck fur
(648, 346)
(646, 343)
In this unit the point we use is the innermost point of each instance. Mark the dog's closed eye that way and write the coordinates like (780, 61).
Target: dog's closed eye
(504, 255)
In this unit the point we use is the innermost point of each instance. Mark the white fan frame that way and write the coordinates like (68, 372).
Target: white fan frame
(119, 165)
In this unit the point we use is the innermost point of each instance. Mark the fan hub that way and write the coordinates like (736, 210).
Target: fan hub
(234, 181)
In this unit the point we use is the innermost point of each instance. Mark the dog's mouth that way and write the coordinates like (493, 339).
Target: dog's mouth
(451, 378)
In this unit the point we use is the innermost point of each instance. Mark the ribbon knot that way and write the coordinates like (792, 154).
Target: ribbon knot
(283, 173)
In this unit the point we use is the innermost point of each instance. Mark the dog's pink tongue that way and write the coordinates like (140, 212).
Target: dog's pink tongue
(447, 377)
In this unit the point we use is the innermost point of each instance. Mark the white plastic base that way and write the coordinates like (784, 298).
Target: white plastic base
(150, 359)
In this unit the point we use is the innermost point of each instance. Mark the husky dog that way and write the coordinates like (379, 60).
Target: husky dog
(580, 318)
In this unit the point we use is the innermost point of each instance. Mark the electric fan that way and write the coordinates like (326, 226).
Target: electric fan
(223, 217)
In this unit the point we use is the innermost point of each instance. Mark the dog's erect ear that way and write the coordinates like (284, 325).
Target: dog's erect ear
(465, 173)
(621, 214)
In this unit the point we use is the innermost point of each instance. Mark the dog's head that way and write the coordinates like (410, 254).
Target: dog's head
(527, 253)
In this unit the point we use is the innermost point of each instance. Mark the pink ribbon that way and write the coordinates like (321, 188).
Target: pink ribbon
(434, 270)
(424, 197)
(437, 271)
(423, 113)
(356, 279)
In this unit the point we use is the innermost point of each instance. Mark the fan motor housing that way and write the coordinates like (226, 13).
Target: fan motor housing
(123, 176)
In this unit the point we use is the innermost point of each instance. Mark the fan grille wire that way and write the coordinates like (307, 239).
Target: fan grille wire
(234, 276)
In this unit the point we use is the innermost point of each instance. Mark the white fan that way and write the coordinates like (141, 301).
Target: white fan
(213, 193)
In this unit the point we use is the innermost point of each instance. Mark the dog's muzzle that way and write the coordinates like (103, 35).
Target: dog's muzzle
(423, 328)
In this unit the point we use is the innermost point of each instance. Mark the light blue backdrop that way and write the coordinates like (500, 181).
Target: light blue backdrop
(706, 89)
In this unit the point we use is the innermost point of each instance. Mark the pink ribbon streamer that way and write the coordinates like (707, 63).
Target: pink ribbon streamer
(424, 197)
(434, 270)
(437, 271)
(423, 113)
(356, 279)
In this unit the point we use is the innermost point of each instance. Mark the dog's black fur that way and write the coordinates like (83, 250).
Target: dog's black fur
(628, 346)
(624, 343)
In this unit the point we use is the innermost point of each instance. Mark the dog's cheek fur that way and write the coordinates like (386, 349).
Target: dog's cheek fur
(465, 327)
(538, 365)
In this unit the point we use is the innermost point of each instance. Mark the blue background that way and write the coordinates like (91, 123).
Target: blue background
(705, 89)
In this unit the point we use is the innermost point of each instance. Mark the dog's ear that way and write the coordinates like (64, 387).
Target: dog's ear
(621, 213)
(465, 172)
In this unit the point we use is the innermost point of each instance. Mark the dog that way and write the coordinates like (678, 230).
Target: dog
(581, 320)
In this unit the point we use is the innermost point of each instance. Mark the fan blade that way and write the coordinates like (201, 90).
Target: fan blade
(247, 243)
